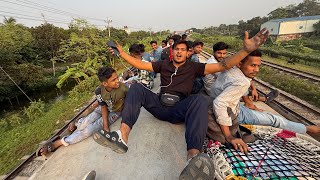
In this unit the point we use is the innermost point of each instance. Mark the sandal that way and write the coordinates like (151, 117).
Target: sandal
(272, 95)
(46, 147)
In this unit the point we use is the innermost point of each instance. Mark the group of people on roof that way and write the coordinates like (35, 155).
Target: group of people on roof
(205, 96)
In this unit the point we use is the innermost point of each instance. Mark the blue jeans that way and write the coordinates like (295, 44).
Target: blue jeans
(249, 116)
(86, 126)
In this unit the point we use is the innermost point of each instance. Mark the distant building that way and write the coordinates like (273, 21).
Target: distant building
(291, 28)
(126, 29)
(179, 32)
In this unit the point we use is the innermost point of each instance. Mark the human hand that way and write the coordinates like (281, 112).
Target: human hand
(252, 44)
(238, 144)
(254, 94)
(119, 47)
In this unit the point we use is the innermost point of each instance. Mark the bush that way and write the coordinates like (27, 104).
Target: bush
(35, 109)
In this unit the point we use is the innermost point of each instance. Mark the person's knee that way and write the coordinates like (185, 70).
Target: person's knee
(201, 100)
(136, 86)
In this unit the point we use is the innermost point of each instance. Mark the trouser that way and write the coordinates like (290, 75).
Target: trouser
(249, 116)
(86, 126)
(192, 110)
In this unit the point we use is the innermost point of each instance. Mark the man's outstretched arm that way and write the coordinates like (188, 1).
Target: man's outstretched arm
(249, 45)
(137, 63)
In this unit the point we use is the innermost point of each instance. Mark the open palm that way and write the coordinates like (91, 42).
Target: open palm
(254, 43)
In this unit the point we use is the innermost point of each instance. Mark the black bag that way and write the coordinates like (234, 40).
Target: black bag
(167, 99)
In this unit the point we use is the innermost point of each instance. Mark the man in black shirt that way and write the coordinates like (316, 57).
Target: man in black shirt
(175, 104)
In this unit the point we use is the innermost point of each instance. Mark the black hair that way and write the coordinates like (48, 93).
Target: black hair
(180, 42)
(219, 46)
(164, 41)
(255, 53)
(104, 73)
(176, 37)
(136, 48)
(184, 36)
(141, 48)
(151, 42)
(196, 43)
(189, 44)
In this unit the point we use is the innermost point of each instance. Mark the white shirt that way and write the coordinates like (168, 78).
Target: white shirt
(210, 78)
(227, 90)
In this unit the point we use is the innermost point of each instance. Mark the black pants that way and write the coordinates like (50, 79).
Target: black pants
(192, 110)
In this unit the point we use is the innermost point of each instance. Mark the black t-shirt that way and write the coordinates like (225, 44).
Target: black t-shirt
(165, 54)
(182, 82)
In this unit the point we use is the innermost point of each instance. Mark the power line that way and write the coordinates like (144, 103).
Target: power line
(33, 19)
(55, 9)
(15, 83)
(14, 13)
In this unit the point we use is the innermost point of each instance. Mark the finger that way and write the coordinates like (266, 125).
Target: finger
(240, 147)
(245, 147)
(117, 44)
(246, 35)
(235, 146)
(261, 32)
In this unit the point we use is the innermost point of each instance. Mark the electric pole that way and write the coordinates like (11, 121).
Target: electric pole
(150, 31)
(44, 19)
(108, 22)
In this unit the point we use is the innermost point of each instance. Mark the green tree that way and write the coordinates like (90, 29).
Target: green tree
(86, 50)
(317, 27)
(15, 44)
(47, 40)
(282, 13)
(308, 8)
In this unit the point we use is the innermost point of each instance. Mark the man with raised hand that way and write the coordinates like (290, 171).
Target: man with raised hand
(175, 104)
(227, 91)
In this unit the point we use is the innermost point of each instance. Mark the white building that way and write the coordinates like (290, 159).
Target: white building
(291, 28)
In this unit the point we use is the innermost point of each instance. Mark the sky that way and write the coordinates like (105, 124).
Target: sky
(156, 15)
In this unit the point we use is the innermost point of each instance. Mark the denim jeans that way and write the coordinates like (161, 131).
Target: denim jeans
(86, 126)
(248, 116)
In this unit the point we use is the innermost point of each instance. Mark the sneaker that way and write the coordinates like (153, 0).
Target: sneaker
(90, 175)
(112, 140)
(272, 95)
(198, 167)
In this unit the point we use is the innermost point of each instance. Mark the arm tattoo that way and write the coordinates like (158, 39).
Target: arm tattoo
(224, 63)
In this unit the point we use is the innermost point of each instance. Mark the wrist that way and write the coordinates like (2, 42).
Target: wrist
(229, 138)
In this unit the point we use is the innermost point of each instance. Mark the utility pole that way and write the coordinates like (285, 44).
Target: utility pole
(150, 31)
(44, 19)
(108, 22)
(51, 45)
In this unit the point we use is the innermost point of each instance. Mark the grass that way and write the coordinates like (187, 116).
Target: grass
(297, 66)
(22, 139)
(303, 89)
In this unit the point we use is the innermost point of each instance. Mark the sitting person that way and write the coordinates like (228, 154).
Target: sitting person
(227, 90)
(219, 53)
(110, 96)
(133, 75)
(175, 104)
